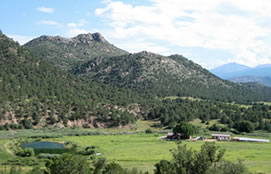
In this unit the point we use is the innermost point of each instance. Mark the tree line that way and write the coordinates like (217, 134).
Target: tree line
(242, 118)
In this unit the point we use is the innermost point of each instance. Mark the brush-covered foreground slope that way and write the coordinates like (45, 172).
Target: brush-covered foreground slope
(66, 52)
(35, 93)
(166, 76)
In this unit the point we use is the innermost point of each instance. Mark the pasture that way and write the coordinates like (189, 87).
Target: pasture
(142, 151)
(132, 148)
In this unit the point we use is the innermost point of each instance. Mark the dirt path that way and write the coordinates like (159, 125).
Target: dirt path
(7, 149)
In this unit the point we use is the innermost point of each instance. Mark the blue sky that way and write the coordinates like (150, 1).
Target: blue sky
(209, 32)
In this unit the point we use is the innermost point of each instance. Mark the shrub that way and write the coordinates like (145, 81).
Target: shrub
(185, 129)
(215, 127)
(26, 152)
(6, 126)
(47, 155)
(68, 164)
(244, 126)
(225, 129)
(2, 127)
(86, 126)
(208, 160)
(148, 131)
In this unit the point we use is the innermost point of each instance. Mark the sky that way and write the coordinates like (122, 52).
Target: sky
(208, 32)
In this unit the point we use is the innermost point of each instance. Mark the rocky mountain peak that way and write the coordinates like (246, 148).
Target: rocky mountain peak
(56, 39)
(146, 53)
(81, 38)
(98, 37)
(65, 52)
(84, 38)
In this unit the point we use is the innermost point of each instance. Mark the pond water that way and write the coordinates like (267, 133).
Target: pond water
(46, 147)
(43, 145)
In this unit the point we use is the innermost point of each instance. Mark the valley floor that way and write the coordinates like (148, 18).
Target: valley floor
(142, 151)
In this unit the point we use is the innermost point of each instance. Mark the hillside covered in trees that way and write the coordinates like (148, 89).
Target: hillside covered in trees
(34, 93)
(91, 56)
(168, 76)
(253, 117)
(116, 90)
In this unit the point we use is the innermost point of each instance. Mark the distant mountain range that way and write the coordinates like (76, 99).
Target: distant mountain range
(225, 71)
(243, 74)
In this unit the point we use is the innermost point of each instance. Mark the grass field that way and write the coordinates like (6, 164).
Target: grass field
(4, 151)
(142, 151)
(132, 148)
(266, 103)
(138, 150)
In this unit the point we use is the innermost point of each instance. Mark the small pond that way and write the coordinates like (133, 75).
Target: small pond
(46, 147)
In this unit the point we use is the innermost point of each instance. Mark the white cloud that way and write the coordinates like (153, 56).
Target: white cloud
(138, 46)
(48, 22)
(75, 31)
(81, 23)
(221, 24)
(76, 28)
(46, 10)
(20, 38)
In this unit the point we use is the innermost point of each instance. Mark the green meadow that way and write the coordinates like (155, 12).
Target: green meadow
(5, 153)
(132, 148)
(142, 151)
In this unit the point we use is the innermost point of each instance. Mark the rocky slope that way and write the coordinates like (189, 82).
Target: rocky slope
(65, 52)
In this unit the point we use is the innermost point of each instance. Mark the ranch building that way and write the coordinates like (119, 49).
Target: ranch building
(221, 136)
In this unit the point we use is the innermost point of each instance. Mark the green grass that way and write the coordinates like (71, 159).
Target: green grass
(266, 103)
(184, 98)
(142, 151)
(199, 99)
(256, 156)
(136, 150)
(4, 154)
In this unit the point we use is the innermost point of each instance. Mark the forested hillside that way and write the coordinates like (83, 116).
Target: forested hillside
(34, 93)
(170, 112)
(168, 76)
(114, 91)
(91, 56)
